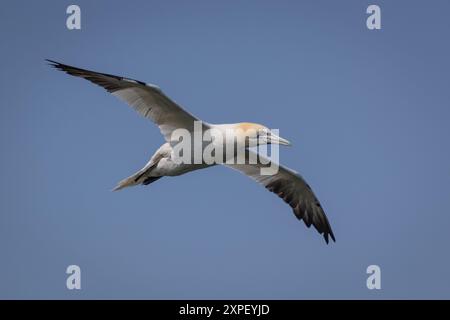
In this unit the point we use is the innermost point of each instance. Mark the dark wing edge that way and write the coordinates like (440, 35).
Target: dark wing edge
(147, 99)
(290, 186)
(110, 82)
(311, 212)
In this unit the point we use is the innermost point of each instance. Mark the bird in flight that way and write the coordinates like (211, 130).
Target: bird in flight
(149, 101)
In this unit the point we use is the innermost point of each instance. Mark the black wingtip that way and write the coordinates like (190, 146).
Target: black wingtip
(55, 64)
(326, 234)
(52, 62)
(332, 237)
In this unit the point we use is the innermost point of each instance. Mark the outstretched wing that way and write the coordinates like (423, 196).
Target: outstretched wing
(293, 189)
(147, 99)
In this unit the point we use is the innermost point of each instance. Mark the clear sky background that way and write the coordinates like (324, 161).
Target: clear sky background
(367, 111)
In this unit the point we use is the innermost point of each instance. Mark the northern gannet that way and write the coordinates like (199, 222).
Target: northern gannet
(149, 101)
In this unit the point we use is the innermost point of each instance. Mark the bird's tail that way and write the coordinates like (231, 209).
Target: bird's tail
(128, 182)
(139, 177)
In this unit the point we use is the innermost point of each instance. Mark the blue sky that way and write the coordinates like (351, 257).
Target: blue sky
(367, 112)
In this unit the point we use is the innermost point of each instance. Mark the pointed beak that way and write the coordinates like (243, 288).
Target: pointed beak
(279, 140)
